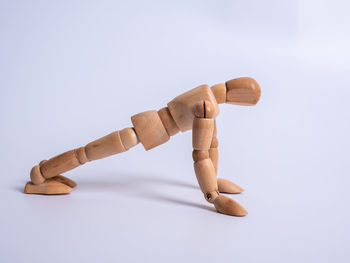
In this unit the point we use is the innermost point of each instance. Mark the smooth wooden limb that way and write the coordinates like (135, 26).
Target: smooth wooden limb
(202, 133)
(46, 177)
(204, 142)
(213, 151)
(60, 164)
(205, 174)
(224, 185)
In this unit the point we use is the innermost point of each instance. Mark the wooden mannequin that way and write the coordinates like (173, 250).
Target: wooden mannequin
(195, 109)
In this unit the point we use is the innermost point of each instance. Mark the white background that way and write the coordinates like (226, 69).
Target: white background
(73, 71)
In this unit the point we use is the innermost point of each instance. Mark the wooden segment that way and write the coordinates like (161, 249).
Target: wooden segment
(214, 142)
(149, 129)
(219, 91)
(210, 111)
(168, 121)
(204, 109)
(214, 157)
(60, 164)
(81, 155)
(41, 163)
(199, 109)
(181, 107)
(202, 133)
(206, 177)
(49, 187)
(105, 146)
(36, 176)
(64, 180)
(198, 155)
(227, 206)
(129, 138)
(213, 151)
(242, 91)
(215, 133)
(226, 186)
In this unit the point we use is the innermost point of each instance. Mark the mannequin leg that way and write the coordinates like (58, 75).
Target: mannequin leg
(224, 185)
(202, 136)
(46, 178)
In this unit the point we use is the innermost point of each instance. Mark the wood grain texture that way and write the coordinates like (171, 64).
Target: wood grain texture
(61, 178)
(219, 91)
(202, 133)
(64, 180)
(181, 107)
(36, 176)
(242, 91)
(168, 121)
(81, 155)
(149, 129)
(60, 164)
(128, 137)
(213, 151)
(204, 109)
(214, 157)
(206, 177)
(49, 187)
(198, 155)
(105, 146)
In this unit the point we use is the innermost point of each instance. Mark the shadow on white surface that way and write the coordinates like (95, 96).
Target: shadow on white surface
(142, 187)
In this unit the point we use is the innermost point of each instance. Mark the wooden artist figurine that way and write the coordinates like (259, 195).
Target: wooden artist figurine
(195, 109)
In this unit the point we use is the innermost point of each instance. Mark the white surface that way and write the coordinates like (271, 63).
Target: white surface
(72, 72)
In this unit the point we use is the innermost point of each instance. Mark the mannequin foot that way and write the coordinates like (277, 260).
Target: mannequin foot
(226, 186)
(227, 206)
(53, 186)
(64, 180)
